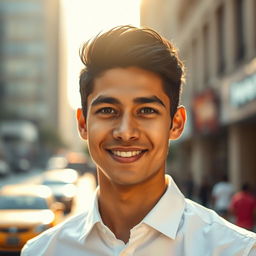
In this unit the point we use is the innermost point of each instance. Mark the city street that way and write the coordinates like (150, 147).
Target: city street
(85, 189)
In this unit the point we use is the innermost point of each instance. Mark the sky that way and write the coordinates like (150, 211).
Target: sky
(83, 20)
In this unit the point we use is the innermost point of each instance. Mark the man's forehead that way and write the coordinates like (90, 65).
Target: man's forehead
(126, 78)
(130, 85)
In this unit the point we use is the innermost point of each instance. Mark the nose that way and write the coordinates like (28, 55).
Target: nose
(126, 129)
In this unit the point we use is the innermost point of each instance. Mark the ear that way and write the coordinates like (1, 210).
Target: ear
(178, 123)
(81, 123)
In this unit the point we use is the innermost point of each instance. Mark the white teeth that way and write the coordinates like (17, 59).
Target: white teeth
(126, 153)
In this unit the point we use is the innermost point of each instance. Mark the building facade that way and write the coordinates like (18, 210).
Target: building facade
(217, 42)
(29, 68)
(29, 61)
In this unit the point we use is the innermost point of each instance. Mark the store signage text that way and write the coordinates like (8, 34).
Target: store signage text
(243, 92)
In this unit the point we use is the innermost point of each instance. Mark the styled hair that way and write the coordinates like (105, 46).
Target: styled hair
(126, 46)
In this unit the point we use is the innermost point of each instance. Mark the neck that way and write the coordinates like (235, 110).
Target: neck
(122, 207)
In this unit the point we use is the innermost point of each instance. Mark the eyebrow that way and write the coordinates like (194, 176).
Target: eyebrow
(152, 99)
(140, 100)
(103, 99)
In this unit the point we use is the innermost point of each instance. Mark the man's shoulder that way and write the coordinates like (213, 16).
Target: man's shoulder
(41, 243)
(203, 222)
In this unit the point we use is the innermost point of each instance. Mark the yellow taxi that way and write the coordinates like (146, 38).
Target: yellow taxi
(25, 212)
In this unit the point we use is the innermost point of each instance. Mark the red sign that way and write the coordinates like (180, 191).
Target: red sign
(206, 112)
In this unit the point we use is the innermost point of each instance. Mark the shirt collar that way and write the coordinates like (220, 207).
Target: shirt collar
(167, 213)
(93, 215)
(165, 217)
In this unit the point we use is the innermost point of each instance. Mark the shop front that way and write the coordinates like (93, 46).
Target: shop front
(238, 113)
(209, 154)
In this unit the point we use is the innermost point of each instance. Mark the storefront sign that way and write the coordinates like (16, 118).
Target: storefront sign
(206, 112)
(243, 92)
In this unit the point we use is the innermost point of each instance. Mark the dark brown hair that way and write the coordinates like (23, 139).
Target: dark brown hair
(125, 46)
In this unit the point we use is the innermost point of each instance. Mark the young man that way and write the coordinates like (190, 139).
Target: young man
(130, 91)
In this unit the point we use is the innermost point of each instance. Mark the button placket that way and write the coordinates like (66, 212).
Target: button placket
(129, 247)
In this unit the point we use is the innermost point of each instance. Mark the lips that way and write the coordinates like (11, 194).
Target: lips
(126, 155)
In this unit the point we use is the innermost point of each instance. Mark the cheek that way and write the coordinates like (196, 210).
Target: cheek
(95, 129)
(159, 137)
(94, 133)
(159, 131)
(98, 132)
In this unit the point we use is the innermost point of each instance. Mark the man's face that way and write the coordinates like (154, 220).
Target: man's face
(128, 125)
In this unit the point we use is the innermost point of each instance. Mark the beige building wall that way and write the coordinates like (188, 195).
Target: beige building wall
(183, 23)
(52, 55)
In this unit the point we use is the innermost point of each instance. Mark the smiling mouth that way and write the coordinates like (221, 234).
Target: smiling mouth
(126, 156)
(126, 153)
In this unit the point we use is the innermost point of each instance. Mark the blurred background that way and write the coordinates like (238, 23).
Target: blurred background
(39, 71)
(217, 42)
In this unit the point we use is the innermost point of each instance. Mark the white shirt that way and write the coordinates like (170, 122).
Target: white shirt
(222, 192)
(175, 226)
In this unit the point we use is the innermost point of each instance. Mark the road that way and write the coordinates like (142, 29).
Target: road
(85, 187)
(16, 178)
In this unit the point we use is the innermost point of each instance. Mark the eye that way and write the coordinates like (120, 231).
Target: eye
(148, 110)
(106, 111)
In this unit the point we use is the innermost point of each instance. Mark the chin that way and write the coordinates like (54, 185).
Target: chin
(124, 180)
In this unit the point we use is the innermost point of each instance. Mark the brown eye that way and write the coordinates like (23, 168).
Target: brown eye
(106, 111)
(148, 110)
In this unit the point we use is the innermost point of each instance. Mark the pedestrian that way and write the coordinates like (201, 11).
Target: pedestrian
(189, 186)
(243, 207)
(204, 192)
(221, 196)
(130, 92)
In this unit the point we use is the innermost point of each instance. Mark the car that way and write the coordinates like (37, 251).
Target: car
(20, 165)
(26, 211)
(56, 162)
(4, 168)
(4, 165)
(78, 161)
(63, 183)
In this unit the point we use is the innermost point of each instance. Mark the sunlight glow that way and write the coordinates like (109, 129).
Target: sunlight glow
(86, 18)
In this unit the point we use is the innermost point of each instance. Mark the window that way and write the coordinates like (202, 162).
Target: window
(15, 67)
(206, 52)
(24, 48)
(29, 109)
(254, 15)
(22, 89)
(239, 25)
(221, 39)
(185, 8)
(17, 7)
(17, 28)
(194, 74)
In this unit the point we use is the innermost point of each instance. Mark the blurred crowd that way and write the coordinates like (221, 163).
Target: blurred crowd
(235, 205)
